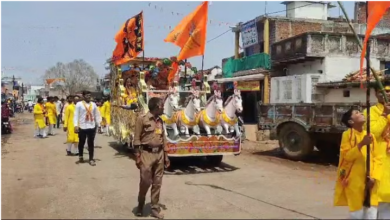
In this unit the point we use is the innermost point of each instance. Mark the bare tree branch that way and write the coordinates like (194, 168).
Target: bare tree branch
(78, 75)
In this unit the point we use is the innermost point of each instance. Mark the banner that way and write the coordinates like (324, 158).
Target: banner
(248, 85)
(249, 34)
(203, 146)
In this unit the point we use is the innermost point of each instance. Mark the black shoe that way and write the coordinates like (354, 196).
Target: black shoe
(92, 162)
(81, 160)
(68, 153)
(50, 134)
(140, 211)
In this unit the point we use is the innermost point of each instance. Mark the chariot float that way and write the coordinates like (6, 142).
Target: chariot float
(195, 125)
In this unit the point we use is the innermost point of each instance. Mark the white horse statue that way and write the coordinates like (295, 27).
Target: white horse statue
(171, 106)
(189, 117)
(210, 116)
(228, 117)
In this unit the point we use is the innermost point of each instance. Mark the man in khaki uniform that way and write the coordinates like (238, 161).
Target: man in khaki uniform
(151, 153)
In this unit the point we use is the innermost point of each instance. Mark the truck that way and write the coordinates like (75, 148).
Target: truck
(299, 127)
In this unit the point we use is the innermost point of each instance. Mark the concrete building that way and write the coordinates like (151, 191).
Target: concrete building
(300, 62)
(308, 16)
(33, 92)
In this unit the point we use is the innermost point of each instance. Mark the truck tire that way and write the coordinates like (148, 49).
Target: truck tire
(215, 160)
(295, 141)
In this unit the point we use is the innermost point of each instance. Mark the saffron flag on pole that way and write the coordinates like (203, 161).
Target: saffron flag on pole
(190, 33)
(129, 39)
(376, 10)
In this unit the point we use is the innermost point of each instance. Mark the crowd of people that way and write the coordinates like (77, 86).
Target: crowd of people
(81, 116)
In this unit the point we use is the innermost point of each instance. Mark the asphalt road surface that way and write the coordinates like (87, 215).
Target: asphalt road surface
(39, 181)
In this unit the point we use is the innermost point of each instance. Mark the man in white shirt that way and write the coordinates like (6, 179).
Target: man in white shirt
(86, 118)
(59, 106)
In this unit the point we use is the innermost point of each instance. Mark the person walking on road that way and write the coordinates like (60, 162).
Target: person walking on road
(51, 114)
(85, 120)
(72, 137)
(151, 154)
(39, 118)
(106, 114)
(380, 128)
(59, 105)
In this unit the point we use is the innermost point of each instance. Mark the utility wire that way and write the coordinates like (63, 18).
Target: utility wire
(218, 36)
(262, 15)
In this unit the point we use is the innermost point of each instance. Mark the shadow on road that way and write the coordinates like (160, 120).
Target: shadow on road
(249, 197)
(147, 209)
(317, 158)
(179, 165)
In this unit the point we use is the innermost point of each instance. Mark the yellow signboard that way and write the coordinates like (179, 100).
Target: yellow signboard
(248, 85)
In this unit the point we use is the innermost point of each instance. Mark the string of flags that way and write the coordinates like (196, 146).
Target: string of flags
(166, 27)
(210, 21)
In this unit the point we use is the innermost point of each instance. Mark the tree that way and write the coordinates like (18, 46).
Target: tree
(78, 75)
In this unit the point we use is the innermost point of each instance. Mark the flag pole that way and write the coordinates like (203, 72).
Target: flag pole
(374, 73)
(367, 193)
(185, 72)
(143, 60)
(201, 84)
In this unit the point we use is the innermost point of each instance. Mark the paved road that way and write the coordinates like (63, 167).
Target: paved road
(39, 181)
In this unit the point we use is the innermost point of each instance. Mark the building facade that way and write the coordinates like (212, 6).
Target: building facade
(320, 57)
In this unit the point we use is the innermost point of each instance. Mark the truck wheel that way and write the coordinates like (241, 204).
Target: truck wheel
(215, 160)
(295, 142)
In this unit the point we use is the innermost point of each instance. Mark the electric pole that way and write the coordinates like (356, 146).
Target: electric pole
(236, 31)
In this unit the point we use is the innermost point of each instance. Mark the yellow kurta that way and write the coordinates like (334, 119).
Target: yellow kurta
(107, 114)
(101, 110)
(130, 99)
(68, 123)
(378, 125)
(51, 113)
(39, 117)
(353, 164)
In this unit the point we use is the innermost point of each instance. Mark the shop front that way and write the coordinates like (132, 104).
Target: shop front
(251, 93)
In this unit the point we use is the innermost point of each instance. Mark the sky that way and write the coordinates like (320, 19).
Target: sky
(37, 35)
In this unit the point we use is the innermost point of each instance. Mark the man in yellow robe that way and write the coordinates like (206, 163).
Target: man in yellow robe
(51, 114)
(351, 172)
(380, 122)
(39, 118)
(106, 116)
(72, 137)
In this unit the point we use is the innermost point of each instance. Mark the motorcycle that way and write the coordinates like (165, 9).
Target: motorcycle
(5, 122)
(5, 126)
(19, 108)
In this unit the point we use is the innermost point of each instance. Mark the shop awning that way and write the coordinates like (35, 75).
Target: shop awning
(258, 76)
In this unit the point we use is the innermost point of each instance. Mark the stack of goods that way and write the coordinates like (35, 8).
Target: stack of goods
(356, 76)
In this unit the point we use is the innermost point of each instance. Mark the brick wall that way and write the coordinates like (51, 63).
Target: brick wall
(360, 15)
(287, 29)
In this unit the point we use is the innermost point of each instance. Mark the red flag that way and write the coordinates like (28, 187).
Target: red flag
(376, 10)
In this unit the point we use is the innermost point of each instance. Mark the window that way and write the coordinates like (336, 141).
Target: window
(277, 89)
(299, 89)
(287, 84)
(387, 67)
(346, 93)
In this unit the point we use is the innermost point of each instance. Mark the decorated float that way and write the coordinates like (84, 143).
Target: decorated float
(195, 125)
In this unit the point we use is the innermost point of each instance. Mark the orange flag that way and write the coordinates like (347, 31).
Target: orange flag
(129, 39)
(190, 33)
(376, 10)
